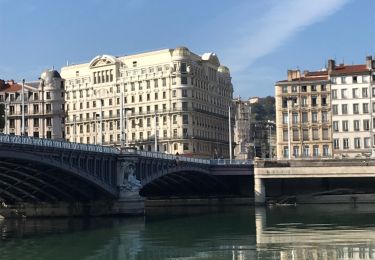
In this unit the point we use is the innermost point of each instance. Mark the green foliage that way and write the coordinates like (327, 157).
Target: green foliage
(264, 110)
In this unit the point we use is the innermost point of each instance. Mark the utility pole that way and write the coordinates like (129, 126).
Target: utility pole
(23, 108)
(230, 135)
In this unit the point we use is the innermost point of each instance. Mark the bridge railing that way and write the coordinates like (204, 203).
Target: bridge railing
(171, 157)
(229, 162)
(14, 139)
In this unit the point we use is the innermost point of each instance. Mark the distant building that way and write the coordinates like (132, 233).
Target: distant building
(303, 115)
(242, 128)
(44, 106)
(175, 94)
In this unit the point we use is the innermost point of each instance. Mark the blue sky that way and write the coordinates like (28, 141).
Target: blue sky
(258, 40)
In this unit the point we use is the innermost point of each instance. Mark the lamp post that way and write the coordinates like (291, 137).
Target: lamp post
(230, 135)
(270, 125)
(23, 108)
(75, 128)
(155, 133)
(101, 121)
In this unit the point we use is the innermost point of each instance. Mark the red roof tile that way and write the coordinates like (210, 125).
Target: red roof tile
(347, 69)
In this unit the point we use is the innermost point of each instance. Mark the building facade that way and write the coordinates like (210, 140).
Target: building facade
(303, 115)
(44, 113)
(177, 96)
(242, 117)
(352, 108)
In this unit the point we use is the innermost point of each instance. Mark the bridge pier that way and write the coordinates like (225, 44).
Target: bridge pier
(129, 201)
(259, 191)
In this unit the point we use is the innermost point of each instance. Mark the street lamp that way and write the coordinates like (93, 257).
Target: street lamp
(230, 135)
(101, 121)
(269, 126)
(23, 108)
(75, 128)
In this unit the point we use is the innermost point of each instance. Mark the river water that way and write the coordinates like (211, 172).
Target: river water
(302, 232)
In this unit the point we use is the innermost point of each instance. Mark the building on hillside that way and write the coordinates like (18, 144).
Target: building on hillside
(353, 108)
(303, 115)
(43, 106)
(180, 97)
(242, 118)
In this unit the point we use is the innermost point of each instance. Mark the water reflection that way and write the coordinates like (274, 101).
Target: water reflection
(303, 232)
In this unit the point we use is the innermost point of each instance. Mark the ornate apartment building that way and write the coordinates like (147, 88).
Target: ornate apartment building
(303, 115)
(43, 106)
(179, 96)
(353, 108)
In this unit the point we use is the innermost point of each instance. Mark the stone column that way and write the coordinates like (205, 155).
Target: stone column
(259, 191)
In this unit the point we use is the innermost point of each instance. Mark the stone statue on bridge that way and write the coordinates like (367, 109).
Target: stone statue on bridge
(130, 182)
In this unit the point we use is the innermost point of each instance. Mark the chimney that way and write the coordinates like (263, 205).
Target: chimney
(331, 65)
(293, 74)
(369, 63)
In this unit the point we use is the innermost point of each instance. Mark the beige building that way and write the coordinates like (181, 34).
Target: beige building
(43, 106)
(303, 115)
(181, 96)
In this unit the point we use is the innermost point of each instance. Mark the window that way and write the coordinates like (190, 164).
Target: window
(294, 89)
(156, 83)
(366, 124)
(156, 96)
(285, 118)
(164, 95)
(296, 151)
(48, 95)
(304, 101)
(164, 82)
(305, 134)
(346, 143)
(373, 91)
(286, 152)
(365, 107)
(324, 87)
(315, 134)
(355, 109)
(344, 109)
(285, 135)
(364, 92)
(315, 150)
(324, 116)
(324, 100)
(295, 135)
(314, 117)
(295, 118)
(184, 93)
(173, 93)
(313, 87)
(343, 80)
(355, 79)
(335, 110)
(344, 93)
(184, 80)
(356, 125)
(336, 143)
(366, 142)
(186, 146)
(185, 119)
(355, 92)
(36, 122)
(303, 88)
(306, 151)
(345, 125)
(335, 126)
(334, 94)
(357, 142)
(325, 150)
(313, 101)
(285, 89)
(304, 117)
